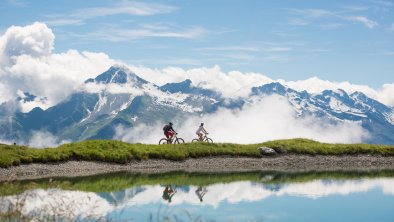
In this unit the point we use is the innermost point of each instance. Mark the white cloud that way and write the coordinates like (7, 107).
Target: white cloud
(367, 22)
(315, 85)
(356, 8)
(236, 84)
(277, 48)
(28, 106)
(64, 22)
(124, 7)
(230, 48)
(78, 17)
(274, 58)
(121, 35)
(314, 14)
(298, 22)
(317, 189)
(29, 65)
(269, 119)
(42, 139)
(385, 94)
(240, 56)
(38, 139)
(170, 61)
(273, 118)
(233, 84)
(5, 92)
(35, 40)
(140, 134)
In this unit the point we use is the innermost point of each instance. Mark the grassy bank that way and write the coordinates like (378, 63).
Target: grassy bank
(120, 152)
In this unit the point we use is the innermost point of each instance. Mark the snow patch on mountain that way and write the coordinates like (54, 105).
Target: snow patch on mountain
(126, 104)
(338, 106)
(87, 117)
(390, 117)
(101, 103)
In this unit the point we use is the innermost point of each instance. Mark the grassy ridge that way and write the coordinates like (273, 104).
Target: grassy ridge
(306, 146)
(123, 180)
(121, 152)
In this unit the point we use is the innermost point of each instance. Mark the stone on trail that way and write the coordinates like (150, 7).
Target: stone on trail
(266, 151)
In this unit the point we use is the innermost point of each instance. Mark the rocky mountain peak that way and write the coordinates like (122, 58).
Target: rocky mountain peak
(119, 75)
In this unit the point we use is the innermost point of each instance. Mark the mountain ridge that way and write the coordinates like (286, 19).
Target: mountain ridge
(94, 115)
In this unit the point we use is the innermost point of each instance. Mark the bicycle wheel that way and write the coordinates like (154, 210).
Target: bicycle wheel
(208, 140)
(163, 141)
(179, 140)
(195, 140)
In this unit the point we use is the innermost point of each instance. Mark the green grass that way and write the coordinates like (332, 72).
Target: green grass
(121, 152)
(310, 147)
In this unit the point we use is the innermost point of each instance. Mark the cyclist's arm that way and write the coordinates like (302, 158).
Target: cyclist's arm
(204, 131)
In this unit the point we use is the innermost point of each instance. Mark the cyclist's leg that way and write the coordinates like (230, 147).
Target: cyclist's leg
(171, 135)
(168, 136)
(200, 136)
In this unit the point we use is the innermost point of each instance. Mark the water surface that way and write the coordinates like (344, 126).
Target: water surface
(179, 196)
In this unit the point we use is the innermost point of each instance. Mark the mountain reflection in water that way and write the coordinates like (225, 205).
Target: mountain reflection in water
(252, 196)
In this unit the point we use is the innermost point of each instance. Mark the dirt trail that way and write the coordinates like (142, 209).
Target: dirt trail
(217, 164)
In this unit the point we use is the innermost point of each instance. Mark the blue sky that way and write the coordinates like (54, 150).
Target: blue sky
(333, 40)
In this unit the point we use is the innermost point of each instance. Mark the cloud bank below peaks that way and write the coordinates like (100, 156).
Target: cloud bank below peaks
(268, 119)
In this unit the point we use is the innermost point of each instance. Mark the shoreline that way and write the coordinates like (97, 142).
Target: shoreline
(290, 163)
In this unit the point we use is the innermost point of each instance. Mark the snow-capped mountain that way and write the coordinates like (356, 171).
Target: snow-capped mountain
(120, 97)
(336, 106)
(118, 75)
(116, 97)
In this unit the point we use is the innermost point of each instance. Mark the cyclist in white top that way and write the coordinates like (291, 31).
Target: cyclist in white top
(200, 131)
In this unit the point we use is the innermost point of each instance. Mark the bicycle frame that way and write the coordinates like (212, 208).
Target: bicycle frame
(205, 138)
(172, 140)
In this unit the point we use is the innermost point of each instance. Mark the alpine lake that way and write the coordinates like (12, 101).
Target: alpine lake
(182, 196)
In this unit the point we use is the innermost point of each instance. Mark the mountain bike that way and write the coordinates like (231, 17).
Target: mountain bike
(174, 140)
(204, 139)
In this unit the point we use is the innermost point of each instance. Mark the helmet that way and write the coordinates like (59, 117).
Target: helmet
(170, 123)
(202, 124)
